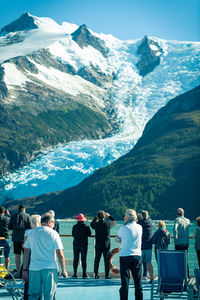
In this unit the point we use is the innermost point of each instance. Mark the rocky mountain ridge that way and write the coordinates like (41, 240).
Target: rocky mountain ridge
(83, 38)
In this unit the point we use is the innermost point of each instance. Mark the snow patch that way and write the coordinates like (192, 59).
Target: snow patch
(74, 84)
(47, 24)
(153, 47)
(13, 77)
(69, 28)
(68, 52)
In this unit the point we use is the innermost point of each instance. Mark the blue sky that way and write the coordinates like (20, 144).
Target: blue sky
(125, 19)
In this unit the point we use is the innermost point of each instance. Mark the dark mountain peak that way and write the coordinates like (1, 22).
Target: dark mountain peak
(82, 32)
(146, 44)
(82, 29)
(146, 41)
(149, 52)
(83, 37)
(25, 22)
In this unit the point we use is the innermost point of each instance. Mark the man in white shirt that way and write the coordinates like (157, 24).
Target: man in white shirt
(39, 264)
(181, 231)
(130, 237)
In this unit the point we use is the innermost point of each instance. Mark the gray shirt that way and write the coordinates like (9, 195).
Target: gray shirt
(181, 231)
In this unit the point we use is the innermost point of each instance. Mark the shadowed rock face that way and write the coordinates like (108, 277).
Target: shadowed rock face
(23, 23)
(149, 52)
(3, 87)
(83, 38)
(13, 38)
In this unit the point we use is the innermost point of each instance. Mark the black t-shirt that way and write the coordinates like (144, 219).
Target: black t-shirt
(19, 223)
(102, 231)
(147, 233)
(81, 232)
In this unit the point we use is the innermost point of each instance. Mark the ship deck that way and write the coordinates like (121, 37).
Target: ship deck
(90, 288)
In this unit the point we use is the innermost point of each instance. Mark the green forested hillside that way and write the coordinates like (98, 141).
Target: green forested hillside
(23, 134)
(161, 173)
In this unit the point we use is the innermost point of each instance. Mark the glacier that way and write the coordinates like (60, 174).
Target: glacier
(135, 98)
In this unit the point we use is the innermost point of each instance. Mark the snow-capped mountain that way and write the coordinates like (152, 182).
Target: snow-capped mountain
(49, 67)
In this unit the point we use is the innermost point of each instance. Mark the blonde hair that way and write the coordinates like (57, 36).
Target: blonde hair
(131, 214)
(52, 213)
(145, 214)
(36, 220)
(161, 224)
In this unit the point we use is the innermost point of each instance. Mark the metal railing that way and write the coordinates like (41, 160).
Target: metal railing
(192, 259)
(67, 240)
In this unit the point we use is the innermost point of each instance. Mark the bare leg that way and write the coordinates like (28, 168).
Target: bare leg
(150, 269)
(18, 261)
(7, 262)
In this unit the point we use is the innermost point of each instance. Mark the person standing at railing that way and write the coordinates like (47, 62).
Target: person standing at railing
(4, 235)
(130, 237)
(80, 232)
(36, 222)
(102, 240)
(19, 223)
(147, 235)
(57, 225)
(144, 276)
(161, 238)
(196, 235)
(39, 264)
(181, 231)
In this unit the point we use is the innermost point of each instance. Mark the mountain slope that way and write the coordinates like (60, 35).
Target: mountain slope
(159, 174)
(61, 83)
(45, 102)
(20, 141)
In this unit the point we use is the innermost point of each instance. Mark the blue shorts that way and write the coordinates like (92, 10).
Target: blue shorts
(6, 247)
(147, 255)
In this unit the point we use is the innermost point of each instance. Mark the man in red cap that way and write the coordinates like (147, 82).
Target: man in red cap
(80, 232)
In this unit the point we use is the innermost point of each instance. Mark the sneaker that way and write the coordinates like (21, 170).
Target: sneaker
(96, 276)
(151, 280)
(107, 277)
(86, 276)
(74, 276)
(144, 278)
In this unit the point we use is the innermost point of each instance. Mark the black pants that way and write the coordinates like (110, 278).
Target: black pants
(130, 264)
(184, 247)
(106, 254)
(198, 256)
(144, 269)
(77, 251)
